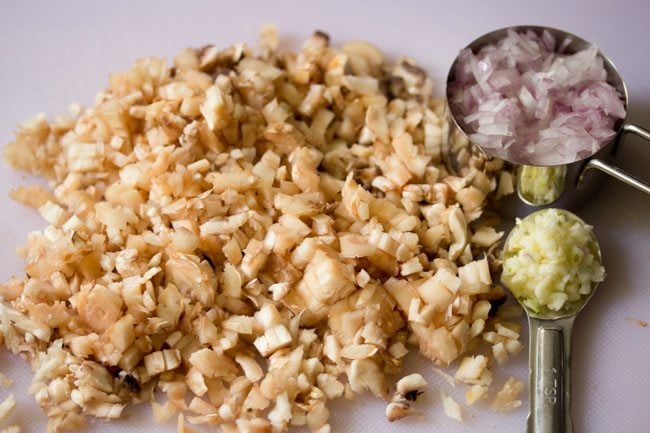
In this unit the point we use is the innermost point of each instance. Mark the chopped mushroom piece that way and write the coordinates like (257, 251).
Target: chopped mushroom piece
(358, 351)
(408, 389)
(182, 427)
(365, 375)
(500, 353)
(397, 410)
(161, 361)
(330, 386)
(32, 196)
(273, 339)
(252, 369)
(471, 368)
(280, 415)
(475, 393)
(506, 398)
(411, 386)
(452, 409)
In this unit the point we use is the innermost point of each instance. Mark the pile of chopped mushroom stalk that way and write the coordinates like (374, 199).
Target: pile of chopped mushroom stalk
(243, 236)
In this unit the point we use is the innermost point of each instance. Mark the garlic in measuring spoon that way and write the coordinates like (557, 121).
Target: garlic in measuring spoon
(552, 265)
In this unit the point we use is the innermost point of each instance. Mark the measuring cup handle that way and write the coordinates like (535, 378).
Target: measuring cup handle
(616, 172)
(550, 376)
(628, 128)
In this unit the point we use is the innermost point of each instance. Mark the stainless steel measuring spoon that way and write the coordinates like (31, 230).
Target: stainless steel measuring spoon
(550, 357)
(579, 179)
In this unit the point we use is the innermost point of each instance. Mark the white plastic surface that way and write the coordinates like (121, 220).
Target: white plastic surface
(54, 53)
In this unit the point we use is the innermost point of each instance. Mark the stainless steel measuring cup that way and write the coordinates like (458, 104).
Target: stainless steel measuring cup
(576, 181)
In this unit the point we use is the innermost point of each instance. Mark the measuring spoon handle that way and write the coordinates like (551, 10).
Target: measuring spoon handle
(550, 375)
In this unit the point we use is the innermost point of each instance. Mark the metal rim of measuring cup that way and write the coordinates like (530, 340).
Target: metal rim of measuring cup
(613, 77)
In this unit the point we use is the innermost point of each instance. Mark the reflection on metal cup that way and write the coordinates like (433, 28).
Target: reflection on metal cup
(539, 186)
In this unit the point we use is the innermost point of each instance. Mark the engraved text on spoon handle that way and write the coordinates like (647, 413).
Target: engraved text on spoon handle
(550, 376)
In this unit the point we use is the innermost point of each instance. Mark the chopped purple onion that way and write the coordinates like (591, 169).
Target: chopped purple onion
(522, 100)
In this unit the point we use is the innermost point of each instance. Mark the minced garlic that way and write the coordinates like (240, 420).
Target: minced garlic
(541, 185)
(551, 260)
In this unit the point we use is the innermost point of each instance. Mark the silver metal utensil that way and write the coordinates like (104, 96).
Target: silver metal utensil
(550, 357)
(581, 178)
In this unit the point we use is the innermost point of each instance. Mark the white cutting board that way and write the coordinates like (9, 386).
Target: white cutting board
(54, 53)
